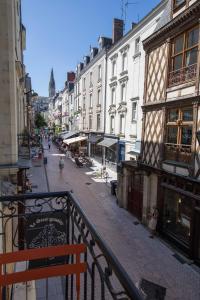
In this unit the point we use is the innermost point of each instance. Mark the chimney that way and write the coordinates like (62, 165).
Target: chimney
(118, 28)
(70, 76)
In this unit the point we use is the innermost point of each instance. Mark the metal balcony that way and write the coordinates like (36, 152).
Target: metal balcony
(179, 153)
(55, 223)
(183, 75)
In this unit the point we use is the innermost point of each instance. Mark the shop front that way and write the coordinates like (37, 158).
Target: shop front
(109, 152)
(94, 149)
(180, 214)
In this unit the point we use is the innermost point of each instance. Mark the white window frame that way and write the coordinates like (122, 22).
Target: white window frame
(122, 124)
(98, 97)
(90, 122)
(135, 111)
(98, 123)
(113, 95)
(99, 72)
(91, 100)
(112, 124)
(137, 45)
(90, 78)
(114, 66)
(123, 92)
(124, 61)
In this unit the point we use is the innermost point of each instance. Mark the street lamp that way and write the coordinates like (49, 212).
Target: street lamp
(198, 136)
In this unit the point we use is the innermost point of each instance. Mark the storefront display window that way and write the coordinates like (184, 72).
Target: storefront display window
(177, 216)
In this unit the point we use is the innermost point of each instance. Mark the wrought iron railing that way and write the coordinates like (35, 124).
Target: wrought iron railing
(50, 219)
(178, 153)
(183, 75)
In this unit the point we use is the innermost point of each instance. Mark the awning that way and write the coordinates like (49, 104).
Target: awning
(133, 152)
(75, 140)
(94, 139)
(107, 142)
(68, 135)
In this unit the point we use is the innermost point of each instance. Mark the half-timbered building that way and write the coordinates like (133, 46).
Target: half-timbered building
(171, 121)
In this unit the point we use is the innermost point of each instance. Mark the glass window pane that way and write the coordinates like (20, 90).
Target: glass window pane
(191, 57)
(178, 44)
(178, 62)
(187, 114)
(172, 135)
(193, 37)
(178, 2)
(186, 135)
(173, 115)
(177, 215)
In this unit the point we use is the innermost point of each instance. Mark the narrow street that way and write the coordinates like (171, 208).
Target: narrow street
(141, 256)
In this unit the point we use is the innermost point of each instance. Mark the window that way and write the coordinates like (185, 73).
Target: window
(179, 134)
(90, 122)
(90, 78)
(90, 100)
(99, 72)
(178, 3)
(134, 108)
(114, 68)
(113, 96)
(123, 93)
(84, 83)
(124, 62)
(99, 97)
(83, 102)
(98, 122)
(177, 215)
(184, 57)
(137, 45)
(179, 126)
(112, 124)
(122, 124)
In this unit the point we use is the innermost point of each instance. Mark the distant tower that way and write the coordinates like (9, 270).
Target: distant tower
(52, 85)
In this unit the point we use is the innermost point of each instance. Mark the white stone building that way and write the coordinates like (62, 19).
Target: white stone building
(125, 87)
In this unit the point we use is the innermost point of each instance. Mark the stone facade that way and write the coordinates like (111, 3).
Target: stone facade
(12, 84)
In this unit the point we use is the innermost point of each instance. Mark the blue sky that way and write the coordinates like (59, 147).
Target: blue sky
(60, 32)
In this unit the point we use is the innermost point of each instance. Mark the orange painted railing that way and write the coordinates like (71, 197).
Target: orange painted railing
(46, 272)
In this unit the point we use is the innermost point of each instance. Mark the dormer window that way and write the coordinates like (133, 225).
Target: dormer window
(178, 3)
(137, 45)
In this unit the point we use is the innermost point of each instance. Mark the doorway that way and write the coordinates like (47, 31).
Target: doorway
(135, 194)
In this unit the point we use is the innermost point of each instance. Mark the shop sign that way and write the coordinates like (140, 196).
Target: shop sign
(43, 230)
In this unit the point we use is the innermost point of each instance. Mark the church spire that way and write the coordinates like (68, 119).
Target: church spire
(52, 86)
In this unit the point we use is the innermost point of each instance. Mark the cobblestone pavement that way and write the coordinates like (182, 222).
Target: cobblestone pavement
(141, 256)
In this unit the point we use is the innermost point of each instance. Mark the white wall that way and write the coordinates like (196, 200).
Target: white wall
(133, 78)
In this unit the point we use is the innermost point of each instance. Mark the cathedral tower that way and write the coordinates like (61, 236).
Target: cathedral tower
(52, 86)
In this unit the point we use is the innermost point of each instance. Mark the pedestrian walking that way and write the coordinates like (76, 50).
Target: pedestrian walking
(61, 163)
(153, 218)
(49, 145)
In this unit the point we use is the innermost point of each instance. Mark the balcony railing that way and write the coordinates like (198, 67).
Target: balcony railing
(56, 220)
(178, 153)
(183, 75)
